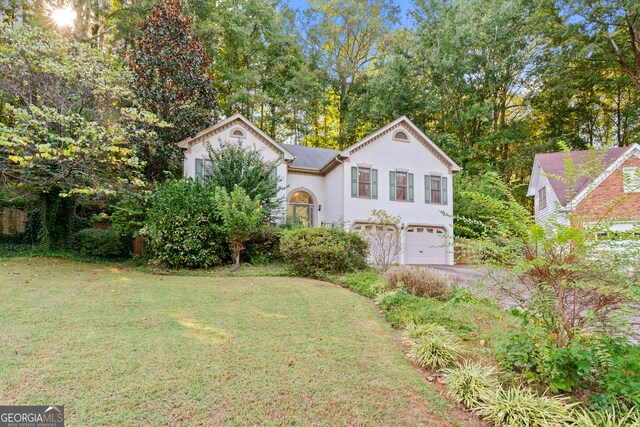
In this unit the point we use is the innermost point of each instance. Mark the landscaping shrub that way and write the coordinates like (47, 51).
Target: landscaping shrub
(322, 251)
(264, 247)
(432, 346)
(367, 283)
(419, 281)
(605, 370)
(469, 382)
(183, 226)
(99, 242)
(514, 407)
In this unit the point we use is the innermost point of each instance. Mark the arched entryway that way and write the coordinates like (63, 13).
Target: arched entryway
(302, 208)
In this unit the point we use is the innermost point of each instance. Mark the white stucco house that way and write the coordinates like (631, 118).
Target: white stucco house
(397, 169)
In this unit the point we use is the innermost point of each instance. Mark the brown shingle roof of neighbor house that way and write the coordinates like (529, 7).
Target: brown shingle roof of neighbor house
(554, 164)
(310, 157)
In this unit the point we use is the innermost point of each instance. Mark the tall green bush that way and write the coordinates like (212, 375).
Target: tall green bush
(183, 226)
(321, 251)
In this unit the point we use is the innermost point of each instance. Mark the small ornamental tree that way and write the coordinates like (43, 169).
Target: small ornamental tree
(233, 165)
(171, 78)
(241, 218)
(563, 275)
(384, 237)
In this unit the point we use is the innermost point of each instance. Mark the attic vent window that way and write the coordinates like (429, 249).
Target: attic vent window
(401, 136)
(237, 133)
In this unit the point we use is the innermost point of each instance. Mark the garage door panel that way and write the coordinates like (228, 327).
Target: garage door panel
(425, 245)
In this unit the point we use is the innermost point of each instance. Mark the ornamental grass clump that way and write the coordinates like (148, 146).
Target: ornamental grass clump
(469, 382)
(615, 417)
(420, 281)
(432, 346)
(515, 407)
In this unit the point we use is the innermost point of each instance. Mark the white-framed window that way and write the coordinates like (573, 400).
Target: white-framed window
(203, 166)
(364, 182)
(401, 136)
(436, 190)
(542, 198)
(301, 209)
(401, 186)
(402, 182)
(631, 179)
(238, 133)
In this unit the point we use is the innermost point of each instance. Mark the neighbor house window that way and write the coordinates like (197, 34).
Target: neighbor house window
(401, 186)
(542, 198)
(364, 182)
(436, 190)
(631, 180)
(203, 167)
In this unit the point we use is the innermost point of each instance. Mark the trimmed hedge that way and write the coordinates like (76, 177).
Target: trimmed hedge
(99, 242)
(321, 251)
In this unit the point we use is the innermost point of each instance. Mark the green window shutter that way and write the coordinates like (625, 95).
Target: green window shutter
(199, 167)
(392, 185)
(445, 195)
(354, 181)
(410, 197)
(374, 183)
(427, 188)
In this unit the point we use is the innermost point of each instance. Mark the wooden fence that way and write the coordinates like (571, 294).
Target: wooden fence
(13, 221)
(464, 253)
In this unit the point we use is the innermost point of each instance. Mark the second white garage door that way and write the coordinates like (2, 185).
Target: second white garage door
(425, 245)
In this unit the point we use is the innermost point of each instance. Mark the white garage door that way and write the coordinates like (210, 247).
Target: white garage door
(425, 245)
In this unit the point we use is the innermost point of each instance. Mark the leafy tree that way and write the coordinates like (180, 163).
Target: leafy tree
(241, 218)
(233, 165)
(348, 35)
(172, 78)
(68, 128)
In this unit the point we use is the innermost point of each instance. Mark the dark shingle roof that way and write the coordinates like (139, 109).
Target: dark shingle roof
(554, 164)
(310, 157)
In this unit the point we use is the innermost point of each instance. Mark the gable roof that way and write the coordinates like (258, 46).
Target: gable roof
(230, 121)
(310, 157)
(415, 131)
(553, 165)
(319, 159)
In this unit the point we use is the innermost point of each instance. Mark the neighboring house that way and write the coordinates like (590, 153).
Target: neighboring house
(613, 191)
(397, 169)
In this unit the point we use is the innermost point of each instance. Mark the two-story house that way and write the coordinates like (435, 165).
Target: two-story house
(397, 169)
(601, 184)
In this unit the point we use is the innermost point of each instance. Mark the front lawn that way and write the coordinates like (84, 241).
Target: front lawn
(123, 347)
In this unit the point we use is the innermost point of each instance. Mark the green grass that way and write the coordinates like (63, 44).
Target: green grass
(125, 347)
